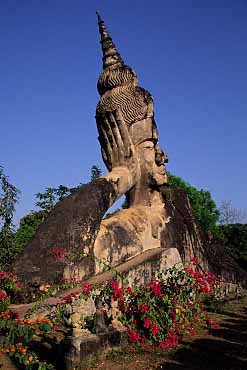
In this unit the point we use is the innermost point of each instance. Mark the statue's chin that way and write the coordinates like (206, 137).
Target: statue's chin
(157, 180)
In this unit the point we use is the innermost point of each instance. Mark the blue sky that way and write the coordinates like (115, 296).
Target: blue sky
(191, 55)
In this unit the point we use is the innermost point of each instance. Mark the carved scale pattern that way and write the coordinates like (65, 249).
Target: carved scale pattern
(117, 76)
(131, 100)
(118, 85)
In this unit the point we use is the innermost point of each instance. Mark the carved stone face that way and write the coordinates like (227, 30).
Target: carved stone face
(152, 160)
(151, 156)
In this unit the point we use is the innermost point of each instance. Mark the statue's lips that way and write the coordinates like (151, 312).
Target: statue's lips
(161, 171)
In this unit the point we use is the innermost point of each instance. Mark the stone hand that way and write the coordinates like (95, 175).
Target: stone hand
(116, 145)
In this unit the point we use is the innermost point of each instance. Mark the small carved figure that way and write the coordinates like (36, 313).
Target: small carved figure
(99, 318)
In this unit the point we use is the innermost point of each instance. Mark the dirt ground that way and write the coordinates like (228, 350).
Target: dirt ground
(224, 348)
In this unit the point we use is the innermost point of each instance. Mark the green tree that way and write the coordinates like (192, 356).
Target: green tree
(235, 241)
(204, 207)
(231, 215)
(95, 173)
(46, 202)
(9, 195)
(52, 196)
(28, 227)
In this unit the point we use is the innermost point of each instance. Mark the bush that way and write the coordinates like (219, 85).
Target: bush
(15, 333)
(158, 313)
(167, 308)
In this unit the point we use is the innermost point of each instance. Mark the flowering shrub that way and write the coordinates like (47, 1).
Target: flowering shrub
(14, 332)
(8, 285)
(166, 308)
(158, 313)
(161, 311)
(4, 300)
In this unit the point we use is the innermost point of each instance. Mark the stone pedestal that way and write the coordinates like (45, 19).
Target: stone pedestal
(82, 346)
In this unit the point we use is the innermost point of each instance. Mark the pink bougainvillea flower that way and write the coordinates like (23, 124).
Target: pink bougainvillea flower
(155, 329)
(3, 295)
(195, 260)
(174, 300)
(117, 292)
(134, 322)
(173, 316)
(128, 289)
(69, 298)
(156, 288)
(191, 331)
(86, 288)
(58, 254)
(7, 276)
(133, 337)
(171, 341)
(143, 308)
(71, 280)
(147, 323)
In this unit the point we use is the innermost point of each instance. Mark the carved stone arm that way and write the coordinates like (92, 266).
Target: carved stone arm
(72, 227)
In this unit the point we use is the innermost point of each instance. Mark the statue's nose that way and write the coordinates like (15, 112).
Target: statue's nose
(160, 156)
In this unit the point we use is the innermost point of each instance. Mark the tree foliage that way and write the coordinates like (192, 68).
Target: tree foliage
(28, 227)
(235, 240)
(46, 202)
(230, 215)
(51, 196)
(95, 173)
(204, 207)
(9, 195)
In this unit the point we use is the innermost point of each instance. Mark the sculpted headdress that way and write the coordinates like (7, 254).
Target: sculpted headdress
(118, 88)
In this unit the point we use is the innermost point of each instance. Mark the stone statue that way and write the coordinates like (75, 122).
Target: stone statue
(129, 141)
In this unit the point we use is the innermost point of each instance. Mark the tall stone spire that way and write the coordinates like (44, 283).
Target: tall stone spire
(110, 54)
(118, 85)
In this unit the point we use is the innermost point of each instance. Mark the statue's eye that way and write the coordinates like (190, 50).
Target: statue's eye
(149, 144)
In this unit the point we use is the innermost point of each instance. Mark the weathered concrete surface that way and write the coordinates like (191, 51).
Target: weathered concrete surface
(128, 233)
(150, 262)
(76, 350)
(181, 231)
(73, 226)
(168, 225)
